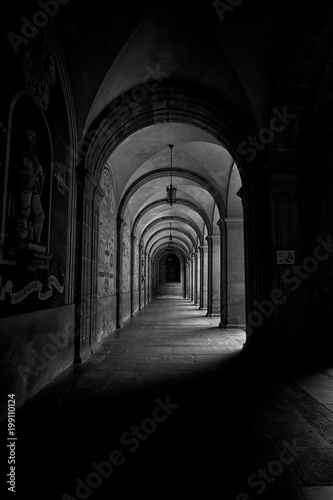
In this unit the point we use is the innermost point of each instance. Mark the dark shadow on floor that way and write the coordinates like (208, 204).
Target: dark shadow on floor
(189, 416)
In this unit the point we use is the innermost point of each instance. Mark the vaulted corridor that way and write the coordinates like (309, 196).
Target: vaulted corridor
(166, 249)
(189, 413)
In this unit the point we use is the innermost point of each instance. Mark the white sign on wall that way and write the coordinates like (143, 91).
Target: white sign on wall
(285, 257)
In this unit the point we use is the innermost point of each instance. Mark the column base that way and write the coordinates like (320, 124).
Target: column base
(78, 360)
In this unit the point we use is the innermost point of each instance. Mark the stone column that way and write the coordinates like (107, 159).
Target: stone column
(204, 278)
(214, 275)
(300, 213)
(187, 279)
(191, 280)
(98, 195)
(145, 283)
(140, 275)
(133, 238)
(87, 262)
(236, 278)
(257, 250)
(119, 270)
(223, 274)
(195, 278)
(148, 280)
(152, 280)
(198, 274)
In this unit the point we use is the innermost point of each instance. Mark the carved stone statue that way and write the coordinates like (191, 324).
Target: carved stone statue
(29, 181)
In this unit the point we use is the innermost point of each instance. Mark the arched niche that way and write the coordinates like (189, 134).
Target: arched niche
(25, 114)
(169, 279)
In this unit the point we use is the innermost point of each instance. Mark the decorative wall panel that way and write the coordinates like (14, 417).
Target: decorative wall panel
(126, 254)
(107, 237)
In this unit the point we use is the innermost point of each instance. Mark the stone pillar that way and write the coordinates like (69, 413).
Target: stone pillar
(140, 275)
(257, 250)
(133, 238)
(198, 275)
(192, 279)
(183, 274)
(204, 276)
(187, 280)
(223, 273)
(235, 270)
(98, 195)
(119, 270)
(87, 269)
(301, 221)
(145, 282)
(214, 275)
(195, 278)
(148, 280)
(152, 277)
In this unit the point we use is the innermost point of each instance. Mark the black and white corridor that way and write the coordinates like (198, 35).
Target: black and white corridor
(166, 249)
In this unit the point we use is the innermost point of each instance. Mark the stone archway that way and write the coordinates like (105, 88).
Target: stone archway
(207, 115)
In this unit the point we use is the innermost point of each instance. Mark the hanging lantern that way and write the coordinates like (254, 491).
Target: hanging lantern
(171, 194)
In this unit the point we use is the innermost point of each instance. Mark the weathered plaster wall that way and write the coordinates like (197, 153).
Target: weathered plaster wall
(136, 278)
(106, 302)
(126, 269)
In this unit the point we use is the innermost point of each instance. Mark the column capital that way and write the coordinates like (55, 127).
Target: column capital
(253, 187)
(221, 224)
(213, 238)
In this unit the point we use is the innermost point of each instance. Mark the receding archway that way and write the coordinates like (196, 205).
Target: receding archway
(108, 140)
(170, 275)
(169, 269)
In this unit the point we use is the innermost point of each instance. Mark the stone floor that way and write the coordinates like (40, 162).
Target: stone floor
(170, 407)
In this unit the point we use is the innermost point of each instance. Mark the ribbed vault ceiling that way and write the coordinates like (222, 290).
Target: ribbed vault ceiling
(203, 171)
